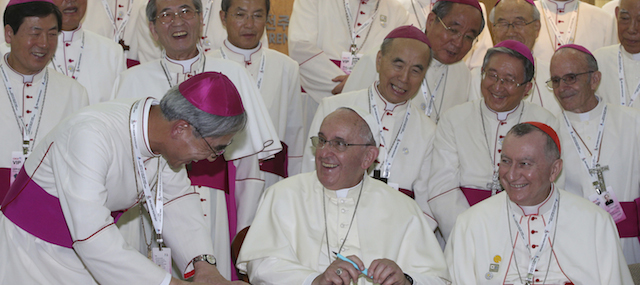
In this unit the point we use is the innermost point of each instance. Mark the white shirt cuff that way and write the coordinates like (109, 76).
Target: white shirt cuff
(310, 278)
(167, 279)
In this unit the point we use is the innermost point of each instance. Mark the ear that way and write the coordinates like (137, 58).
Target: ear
(527, 88)
(537, 26)
(556, 168)
(595, 80)
(617, 11)
(378, 60)
(179, 128)
(369, 156)
(8, 33)
(431, 18)
(223, 18)
(152, 29)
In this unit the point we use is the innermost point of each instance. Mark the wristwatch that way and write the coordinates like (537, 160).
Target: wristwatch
(408, 278)
(205, 257)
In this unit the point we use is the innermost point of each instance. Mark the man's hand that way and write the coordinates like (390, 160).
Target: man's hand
(346, 270)
(342, 79)
(387, 272)
(209, 274)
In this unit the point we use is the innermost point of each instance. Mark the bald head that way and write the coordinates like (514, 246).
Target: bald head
(515, 20)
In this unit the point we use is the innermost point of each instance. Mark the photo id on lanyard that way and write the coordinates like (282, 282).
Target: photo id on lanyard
(348, 61)
(608, 201)
(17, 160)
(162, 257)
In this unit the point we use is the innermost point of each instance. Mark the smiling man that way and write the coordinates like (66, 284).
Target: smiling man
(407, 134)
(468, 139)
(574, 241)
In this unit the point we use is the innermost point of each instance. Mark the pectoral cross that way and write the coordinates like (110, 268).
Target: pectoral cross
(599, 185)
(494, 185)
(25, 147)
(124, 47)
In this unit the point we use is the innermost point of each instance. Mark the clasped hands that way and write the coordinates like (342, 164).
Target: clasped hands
(381, 271)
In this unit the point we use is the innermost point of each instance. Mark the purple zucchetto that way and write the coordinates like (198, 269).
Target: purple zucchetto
(528, 1)
(408, 32)
(213, 93)
(518, 47)
(472, 3)
(576, 47)
(15, 2)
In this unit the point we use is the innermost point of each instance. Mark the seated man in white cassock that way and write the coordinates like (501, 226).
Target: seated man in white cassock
(93, 60)
(34, 98)
(57, 222)
(535, 233)
(468, 140)
(520, 20)
(307, 224)
(276, 76)
(406, 133)
(229, 190)
(452, 27)
(601, 142)
(620, 63)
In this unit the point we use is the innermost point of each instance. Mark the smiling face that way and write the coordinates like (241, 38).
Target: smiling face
(497, 96)
(628, 17)
(512, 11)
(449, 49)
(179, 37)
(578, 97)
(33, 45)
(402, 69)
(245, 22)
(72, 13)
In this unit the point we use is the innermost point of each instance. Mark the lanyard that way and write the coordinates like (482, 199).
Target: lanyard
(596, 149)
(430, 97)
(623, 84)
(205, 20)
(163, 64)
(391, 154)
(76, 71)
(263, 60)
(117, 29)
(27, 132)
(355, 33)
(533, 259)
(568, 37)
(155, 209)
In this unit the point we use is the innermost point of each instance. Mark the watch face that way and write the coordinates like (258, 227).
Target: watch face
(210, 259)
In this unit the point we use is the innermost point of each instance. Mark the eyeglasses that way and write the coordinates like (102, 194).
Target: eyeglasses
(243, 17)
(167, 17)
(214, 154)
(493, 78)
(338, 145)
(518, 24)
(457, 34)
(568, 79)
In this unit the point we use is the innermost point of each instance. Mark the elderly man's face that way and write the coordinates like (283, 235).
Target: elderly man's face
(33, 45)
(519, 15)
(245, 22)
(180, 36)
(402, 69)
(578, 97)
(451, 45)
(72, 13)
(526, 172)
(499, 96)
(185, 147)
(628, 16)
(338, 170)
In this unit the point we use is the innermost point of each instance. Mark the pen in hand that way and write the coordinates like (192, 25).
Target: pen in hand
(350, 261)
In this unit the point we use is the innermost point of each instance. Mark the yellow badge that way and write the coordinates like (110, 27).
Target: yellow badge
(497, 259)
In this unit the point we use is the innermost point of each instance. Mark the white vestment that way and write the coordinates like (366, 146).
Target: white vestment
(451, 80)
(87, 164)
(280, 89)
(287, 242)
(466, 150)
(486, 247)
(410, 166)
(91, 59)
(594, 28)
(608, 65)
(610, 7)
(621, 133)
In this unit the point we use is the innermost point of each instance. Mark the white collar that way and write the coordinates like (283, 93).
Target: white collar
(246, 52)
(561, 5)
(26, 78)
(187, 63)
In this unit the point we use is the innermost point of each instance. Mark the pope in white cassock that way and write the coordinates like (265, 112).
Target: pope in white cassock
(452, 28)
(57, 222)
(520, 20)
(601, 142)
(620, 63)
(228, 206)
(93, 60)
(534, 232)
(406, 133)
(34, 98)
(305, 220)
(276, 76)
(468, 140)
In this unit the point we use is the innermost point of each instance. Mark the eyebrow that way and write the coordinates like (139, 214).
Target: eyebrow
(181, 7)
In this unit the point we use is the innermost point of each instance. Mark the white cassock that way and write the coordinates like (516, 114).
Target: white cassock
(116, 23)
(610, 7)
(609, 60)
(280, 89)
(92, 60)
(619, 150)
(61, 97)
(149, 79)
(409, 169)
(466, 153)
(87, 165)
(287, 243)
(213, 32)
(577, 22)
(450, 79)
(486, 247)
(540, 94)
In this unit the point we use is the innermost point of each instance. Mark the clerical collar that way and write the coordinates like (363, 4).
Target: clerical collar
(144, 138)
(594, 113)
(187, 63)
(388, 106)
(636, 56)
(435, 63)
(539, 209)
(246, 52)
(502, 115)
(67, 36)
(25, 78)
(561, 5)
(342, 193)
(633, 56)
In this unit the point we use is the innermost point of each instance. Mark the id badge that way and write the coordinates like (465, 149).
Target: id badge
(162, 258)
(17, 160)
(348, 61)
(608, 201)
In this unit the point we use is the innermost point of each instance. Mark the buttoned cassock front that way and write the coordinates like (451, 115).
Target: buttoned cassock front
(609, 88)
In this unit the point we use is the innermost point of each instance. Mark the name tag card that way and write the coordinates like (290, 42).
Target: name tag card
(162, 258)
(608, 201)
(17, 160)
(348, 61)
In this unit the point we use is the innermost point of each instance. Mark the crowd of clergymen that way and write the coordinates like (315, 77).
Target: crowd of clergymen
(391, 118)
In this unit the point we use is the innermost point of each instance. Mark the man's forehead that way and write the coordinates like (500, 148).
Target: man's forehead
(48, 22)
(568, 58)
(162, 5)
(513, 9)
(630, 6)
(463, 10)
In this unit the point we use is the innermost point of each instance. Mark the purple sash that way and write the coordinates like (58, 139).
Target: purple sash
(629, 227)
(277, 165)
(5, 179)
(474, 196)
(408, 193)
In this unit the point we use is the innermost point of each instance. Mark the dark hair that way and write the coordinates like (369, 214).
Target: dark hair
(442, 9)
(529, 69)
(227, 3)
(550, 148)
(14, 15)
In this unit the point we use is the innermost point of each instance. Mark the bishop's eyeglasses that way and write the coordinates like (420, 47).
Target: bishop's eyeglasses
(338, 145)
(167, 17)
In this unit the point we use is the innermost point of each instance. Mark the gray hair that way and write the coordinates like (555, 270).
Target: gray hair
(152, 9)
(175, 107)
(550, 148)
(529, 69)
(442, 9)
(535, 14)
